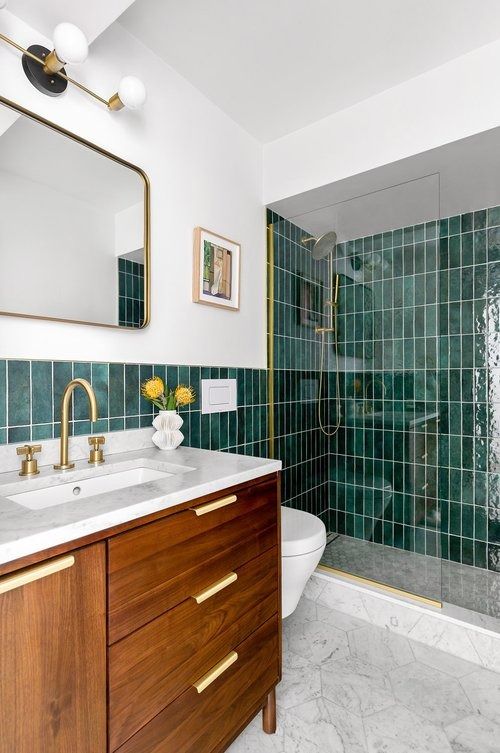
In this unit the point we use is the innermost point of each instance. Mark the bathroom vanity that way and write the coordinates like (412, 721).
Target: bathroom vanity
(142, 633)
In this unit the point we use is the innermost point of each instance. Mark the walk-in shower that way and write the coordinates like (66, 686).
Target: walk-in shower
(383, 384)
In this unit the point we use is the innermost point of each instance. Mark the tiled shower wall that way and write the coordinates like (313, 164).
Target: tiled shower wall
(130, 293)
(299, 293)
(30, 395)
(426, 318)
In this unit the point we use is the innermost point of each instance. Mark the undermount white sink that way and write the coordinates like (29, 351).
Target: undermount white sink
(58, 494)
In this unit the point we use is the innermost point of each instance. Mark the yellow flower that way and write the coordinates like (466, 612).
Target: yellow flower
(184, 395)
(153, 388)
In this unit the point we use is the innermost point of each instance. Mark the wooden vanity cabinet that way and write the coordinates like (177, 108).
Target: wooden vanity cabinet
(164, 636)
(53, 655)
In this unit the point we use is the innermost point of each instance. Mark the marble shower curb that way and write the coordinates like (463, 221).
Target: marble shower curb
(439, 628)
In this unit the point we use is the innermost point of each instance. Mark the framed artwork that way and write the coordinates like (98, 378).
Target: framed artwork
(216, 270)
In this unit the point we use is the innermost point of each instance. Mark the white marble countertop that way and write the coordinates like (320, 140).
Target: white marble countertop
(195, 473)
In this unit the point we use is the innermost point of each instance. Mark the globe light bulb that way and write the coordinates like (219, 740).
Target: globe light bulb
(132, 92)
(70, 44)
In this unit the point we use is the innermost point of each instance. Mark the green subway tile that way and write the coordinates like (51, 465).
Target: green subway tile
(18, 434)
(19, 383)
(80, 400)
(132, 391)
(145, 373)
(100, 384)
(116, 390)
(41, 410)
(3, 393)
(62, 374)
(41, 431)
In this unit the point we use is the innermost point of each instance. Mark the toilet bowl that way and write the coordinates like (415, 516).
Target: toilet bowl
(303, 541)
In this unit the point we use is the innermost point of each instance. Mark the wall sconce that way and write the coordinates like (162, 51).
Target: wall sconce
(45, 70)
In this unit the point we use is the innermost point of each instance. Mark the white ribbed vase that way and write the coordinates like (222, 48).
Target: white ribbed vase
(167, 435)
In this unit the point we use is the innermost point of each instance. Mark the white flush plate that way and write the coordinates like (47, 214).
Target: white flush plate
(218, 395)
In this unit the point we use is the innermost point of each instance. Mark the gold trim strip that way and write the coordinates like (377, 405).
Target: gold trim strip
(203, 683)
(215, 588)
(270, 335)
(147, 222)
(211, 506)
(17, 580)
(382, 586)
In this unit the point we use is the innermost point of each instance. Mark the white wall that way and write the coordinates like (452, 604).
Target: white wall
(59, 250)
(204, 170)
(129, 229)
(451, 102)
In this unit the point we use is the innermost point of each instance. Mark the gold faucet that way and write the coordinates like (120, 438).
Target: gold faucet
(64, 465)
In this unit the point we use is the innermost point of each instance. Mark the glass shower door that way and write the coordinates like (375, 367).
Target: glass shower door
(384, 503)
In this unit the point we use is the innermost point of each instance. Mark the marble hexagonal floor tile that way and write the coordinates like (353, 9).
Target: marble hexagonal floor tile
(340, 620)
(447, 663)
(398, 730)
(322, 727)
(483, 691)
(316, 641)
(380, 647)
(430, 693)
(474, 734)
(356, 686)
(301, 682)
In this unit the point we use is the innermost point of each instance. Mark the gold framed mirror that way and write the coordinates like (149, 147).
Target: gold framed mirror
(74, 227)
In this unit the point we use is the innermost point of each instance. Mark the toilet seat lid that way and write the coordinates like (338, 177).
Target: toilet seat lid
(301, 532)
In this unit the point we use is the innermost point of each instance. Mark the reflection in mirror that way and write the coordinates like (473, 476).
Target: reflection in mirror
(72, 230)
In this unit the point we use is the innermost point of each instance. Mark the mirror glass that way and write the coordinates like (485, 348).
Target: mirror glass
(73, 241)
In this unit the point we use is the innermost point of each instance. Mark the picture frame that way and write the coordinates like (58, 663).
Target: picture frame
(216, 270)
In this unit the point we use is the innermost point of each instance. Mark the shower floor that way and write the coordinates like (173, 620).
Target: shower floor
(469, 588)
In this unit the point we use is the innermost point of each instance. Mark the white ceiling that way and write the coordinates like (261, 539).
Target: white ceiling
(92, 16)
(455, 178)
(277, 65)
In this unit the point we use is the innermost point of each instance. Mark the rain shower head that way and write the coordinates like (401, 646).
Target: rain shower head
(322, 246)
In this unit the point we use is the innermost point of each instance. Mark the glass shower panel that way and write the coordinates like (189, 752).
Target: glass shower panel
(384, 512)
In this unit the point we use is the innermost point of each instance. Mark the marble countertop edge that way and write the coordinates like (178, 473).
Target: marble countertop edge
(213, 472)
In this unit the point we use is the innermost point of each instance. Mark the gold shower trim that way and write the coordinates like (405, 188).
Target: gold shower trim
(382, 586)
(147, 221)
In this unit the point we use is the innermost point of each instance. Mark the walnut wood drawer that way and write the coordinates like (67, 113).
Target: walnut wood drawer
(151, 667)
(155, 567)
(196, 722)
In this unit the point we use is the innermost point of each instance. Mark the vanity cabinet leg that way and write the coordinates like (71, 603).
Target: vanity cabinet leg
(269, 713)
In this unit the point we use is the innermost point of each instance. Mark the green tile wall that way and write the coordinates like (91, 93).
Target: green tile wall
(30, 394)
(383, 465)
(299, 293)
(424, 325)
(130, 293)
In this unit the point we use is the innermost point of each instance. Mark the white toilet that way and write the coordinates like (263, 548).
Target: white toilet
(303, 541)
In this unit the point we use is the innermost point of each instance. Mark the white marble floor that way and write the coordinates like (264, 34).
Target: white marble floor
(352, 687)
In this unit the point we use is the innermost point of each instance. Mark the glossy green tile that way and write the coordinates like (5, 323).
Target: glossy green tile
(19, 388)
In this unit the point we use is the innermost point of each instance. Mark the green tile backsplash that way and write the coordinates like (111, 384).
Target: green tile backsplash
(30, 395)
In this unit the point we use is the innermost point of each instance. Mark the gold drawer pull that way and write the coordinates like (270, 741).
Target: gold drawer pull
(215, 672)
(219, 585)
(10, 582)
(211, 506)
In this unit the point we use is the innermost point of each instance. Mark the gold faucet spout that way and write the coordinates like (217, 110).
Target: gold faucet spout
(64, 463)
